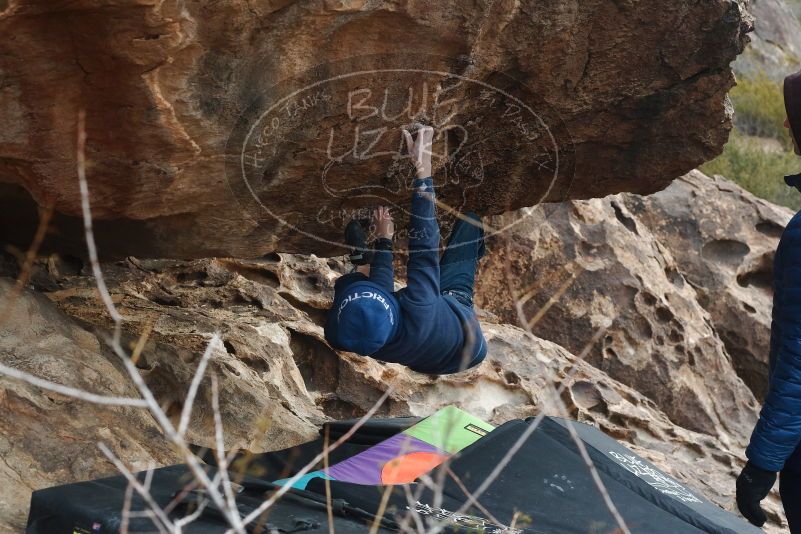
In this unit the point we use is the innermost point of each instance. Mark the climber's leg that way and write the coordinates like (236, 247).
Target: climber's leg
(459, 262)
(458, 275)
(790, 490)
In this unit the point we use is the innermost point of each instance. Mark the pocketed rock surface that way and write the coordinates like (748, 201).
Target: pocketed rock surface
(589, 276)
(279, 379)
(723, 240)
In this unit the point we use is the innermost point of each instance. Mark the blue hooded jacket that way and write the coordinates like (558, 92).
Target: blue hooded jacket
(778, 432)
(436, 333)
(775, 440)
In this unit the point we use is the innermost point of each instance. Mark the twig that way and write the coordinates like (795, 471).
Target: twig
(222, 462)
(126, 509)
(27, 264)
(140, 489)
(87, 226)
(186, 411)
(329, 510)
(382, 508)
(70, 391)
(179, 524)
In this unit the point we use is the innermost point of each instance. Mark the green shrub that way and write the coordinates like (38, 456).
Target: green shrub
(746, 162)
(759, 108)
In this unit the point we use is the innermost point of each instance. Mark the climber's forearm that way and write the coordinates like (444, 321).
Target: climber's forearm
(381, 269)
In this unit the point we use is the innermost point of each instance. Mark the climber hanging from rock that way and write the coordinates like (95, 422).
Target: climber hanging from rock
(776, 440)
(430, 325)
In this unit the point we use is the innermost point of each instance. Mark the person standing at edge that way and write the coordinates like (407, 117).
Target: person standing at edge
(430, 325)
(774, 445)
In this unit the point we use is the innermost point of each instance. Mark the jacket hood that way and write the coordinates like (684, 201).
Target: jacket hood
(792, 105)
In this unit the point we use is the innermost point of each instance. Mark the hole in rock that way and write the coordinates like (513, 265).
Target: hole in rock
(663, 314)
(163, 298)
(190, 277)
(770, 229)
(725, 251)
(586, 395)
(748, 367)
(674, 276)
(643, 327)
(624, 219)
(511, 378)
(340, 409)
(675, 336)
(174, 409)
(317, 315)
(759, 274)
(318, 364)
(257, 364)
(256, 274)
(648, 298)
(68, 265)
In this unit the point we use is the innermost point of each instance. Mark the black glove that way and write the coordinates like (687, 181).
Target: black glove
(753, 485)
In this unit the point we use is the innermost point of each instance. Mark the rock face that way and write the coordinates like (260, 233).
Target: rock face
(723, 240)
(45, 438)
(279, 378)
(775, 47)
(205, 137)
(592, 278)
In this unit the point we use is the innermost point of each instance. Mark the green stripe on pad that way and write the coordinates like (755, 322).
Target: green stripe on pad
(450, 429)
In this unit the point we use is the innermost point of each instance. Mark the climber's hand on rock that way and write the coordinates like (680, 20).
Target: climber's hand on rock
(753, 485)
(420, 150)
(383, 223)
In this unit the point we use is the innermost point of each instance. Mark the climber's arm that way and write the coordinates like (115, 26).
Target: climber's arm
(381, 270)
(422, 286)
(778, 431)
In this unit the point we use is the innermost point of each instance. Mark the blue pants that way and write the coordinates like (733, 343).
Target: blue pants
(457, 267)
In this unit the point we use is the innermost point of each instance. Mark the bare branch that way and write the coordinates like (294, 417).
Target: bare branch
(222, 461)
(87, 225)
(186, 412)
(70, 391)
(30, 256)
(140, 489)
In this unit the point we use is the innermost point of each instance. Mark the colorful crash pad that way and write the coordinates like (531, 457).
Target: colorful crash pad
(406, 456)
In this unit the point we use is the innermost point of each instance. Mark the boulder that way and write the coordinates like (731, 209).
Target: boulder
(590, 277)
(775, 47)
(280, 379)
(723, 240)
(48, 439)
(246, 126)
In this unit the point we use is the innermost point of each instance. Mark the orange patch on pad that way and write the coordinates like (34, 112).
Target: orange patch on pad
(405, 469)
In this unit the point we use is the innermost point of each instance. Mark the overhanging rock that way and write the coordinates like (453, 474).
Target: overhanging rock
(249, 126)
